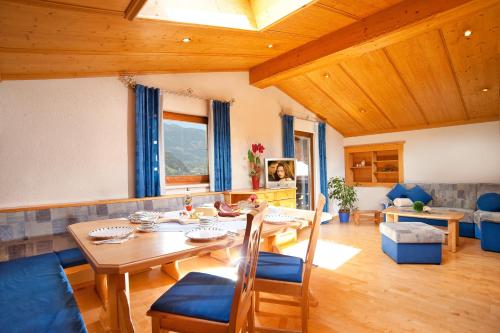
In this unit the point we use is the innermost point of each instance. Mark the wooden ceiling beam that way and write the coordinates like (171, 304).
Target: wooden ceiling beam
(394, 24)
(133, 9)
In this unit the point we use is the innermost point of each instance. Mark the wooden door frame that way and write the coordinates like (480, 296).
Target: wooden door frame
(312, 173)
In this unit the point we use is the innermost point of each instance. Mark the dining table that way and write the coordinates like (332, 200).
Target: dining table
(112, 263)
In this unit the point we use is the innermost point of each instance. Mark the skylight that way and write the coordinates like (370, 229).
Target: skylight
(239, 14)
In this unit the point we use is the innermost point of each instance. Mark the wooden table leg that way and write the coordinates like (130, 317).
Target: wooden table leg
(119, 303)
(356, 217)
(376, 217)
(453, 235)
(172, 269)
(101, 287)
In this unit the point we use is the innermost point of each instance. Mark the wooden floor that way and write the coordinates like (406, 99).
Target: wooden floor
(359, 289)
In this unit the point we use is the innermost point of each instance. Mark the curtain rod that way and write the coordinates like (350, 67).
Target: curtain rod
(129, 81)
(306, 117)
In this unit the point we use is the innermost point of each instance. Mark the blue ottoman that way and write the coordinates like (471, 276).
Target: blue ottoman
(412, 242)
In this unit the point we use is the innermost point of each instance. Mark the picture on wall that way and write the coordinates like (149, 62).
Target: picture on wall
(280, 172)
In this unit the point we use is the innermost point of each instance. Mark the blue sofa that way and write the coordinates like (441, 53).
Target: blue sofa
(35, 296)
(455, 197)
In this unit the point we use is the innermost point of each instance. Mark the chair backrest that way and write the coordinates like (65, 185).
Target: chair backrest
(313, 239)
(242, 299)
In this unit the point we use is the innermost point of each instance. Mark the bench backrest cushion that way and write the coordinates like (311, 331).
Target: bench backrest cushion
(32, 232)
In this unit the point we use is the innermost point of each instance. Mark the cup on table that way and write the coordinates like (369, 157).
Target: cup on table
(206, 221)
(149, 222)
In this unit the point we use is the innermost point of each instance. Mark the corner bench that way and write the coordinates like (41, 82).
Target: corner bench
(35, 296)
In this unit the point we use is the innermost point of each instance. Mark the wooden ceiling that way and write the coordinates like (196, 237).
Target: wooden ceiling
(392, 73)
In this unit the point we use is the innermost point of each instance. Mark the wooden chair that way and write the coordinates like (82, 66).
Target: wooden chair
(201, 302)
(287, 275)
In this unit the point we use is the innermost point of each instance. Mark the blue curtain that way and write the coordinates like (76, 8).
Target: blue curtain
(222, 145)
(147, 174)
(288, 136)
(323, 181)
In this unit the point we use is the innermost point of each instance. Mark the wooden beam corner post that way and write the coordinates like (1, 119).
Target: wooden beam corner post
(133, 8)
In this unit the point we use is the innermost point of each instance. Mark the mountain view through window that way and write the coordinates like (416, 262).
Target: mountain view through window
(185, 148)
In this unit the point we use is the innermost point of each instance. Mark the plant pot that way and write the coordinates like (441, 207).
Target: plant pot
(255, 182)
(344, 217)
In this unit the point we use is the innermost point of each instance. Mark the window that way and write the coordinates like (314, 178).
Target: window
(185, 146)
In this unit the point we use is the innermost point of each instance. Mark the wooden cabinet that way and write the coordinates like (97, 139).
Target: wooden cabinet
(283, 197)
(378, 164)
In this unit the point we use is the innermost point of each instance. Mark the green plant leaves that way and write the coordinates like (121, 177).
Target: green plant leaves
(345, 194)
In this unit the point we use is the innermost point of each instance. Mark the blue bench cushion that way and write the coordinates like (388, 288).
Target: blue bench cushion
(199, 295)
(273, 266)
(71, 257)
(35, 296)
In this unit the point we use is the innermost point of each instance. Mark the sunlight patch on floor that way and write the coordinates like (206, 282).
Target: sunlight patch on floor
(329, 255)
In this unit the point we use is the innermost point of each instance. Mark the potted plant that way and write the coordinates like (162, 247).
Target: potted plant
(254, 159)
(344, 194)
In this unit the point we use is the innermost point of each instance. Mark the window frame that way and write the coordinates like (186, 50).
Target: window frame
(185, 180)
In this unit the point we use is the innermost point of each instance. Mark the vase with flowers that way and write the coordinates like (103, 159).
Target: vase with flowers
(255, 161)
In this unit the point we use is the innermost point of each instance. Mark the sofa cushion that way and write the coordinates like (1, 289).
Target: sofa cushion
(416, 193)
(35, 296)
(398, 191)
(481, 215)
(489, 202)
(452, 195)
(273, 266)
(199, 295)
(411, 232)
(71, 257)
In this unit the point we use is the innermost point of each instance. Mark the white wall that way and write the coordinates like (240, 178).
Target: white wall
(458, 154)
(72, 140)
(63, 141)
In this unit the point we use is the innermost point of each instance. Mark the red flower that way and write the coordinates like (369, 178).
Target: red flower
(255, 148)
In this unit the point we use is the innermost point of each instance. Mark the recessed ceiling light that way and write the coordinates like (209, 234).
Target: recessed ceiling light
(362, 110)
(186, 39)
(270, 46)
(467, 33)
(485, 89)
(326, 75)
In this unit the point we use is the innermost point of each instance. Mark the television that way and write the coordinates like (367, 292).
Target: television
(280, 172)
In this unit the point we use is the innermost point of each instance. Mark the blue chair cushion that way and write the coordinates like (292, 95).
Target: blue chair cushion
(273, 266)
(417, 193)
(35, 296)
(489, 202)
(71, 257)
(398, 191)
(199, 295)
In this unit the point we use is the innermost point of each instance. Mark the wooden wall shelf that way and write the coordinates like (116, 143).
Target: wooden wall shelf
(383, 164)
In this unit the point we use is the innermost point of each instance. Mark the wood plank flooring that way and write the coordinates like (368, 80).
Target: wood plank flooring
(358, 287)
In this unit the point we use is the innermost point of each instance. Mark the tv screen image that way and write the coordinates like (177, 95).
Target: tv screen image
(280, 172)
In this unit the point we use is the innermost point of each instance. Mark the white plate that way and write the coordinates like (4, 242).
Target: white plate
(278, 219)
(206, 234)
(111, 232)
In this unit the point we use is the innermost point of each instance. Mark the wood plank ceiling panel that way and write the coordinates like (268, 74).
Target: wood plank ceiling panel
(38, 65)
(474, 60)
(359, 8)
(304, 91)
(378, 77)
(30, 27)
(351, 98)
(312, 21)
(424, 66)
(116, 5)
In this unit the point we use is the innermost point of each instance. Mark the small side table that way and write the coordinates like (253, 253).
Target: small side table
(375, 213)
